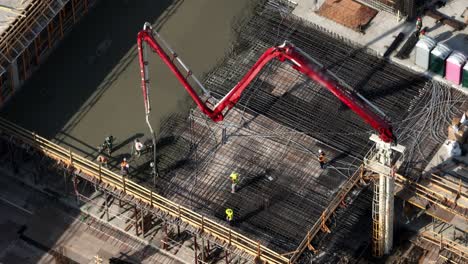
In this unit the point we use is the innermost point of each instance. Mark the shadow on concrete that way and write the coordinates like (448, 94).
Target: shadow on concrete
(458, 42)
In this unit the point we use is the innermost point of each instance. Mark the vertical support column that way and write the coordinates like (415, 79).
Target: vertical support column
(142, 216)
(107, 205)
(25, 66)
(203, 249)
(75, 187)
(49, 36)
(1, 87)
(61, 23)
(36, 49)
(15, 80)
(165, 238)
(73, 11)
(381, 162)
(382, 211)
(136, 220)
(195, 246)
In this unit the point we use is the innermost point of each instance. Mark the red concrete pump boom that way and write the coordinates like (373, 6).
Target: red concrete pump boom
(299, 60)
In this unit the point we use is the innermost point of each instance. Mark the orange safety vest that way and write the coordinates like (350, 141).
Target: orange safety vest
(124, 164)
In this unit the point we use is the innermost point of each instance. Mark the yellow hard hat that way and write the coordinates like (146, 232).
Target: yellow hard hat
(229, 211)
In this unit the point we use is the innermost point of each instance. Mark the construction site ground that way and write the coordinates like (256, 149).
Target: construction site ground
(271, 137)
(384, 28)
(348, 13)
(39, 226)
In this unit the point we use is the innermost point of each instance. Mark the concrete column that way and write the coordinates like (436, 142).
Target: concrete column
(382, 207)
(389, 207)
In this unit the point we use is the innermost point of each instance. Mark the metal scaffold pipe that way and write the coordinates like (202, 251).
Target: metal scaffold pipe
(143, 54)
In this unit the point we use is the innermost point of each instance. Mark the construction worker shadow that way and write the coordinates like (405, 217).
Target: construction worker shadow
(391, 89)
(337, 158)
(127, 141)
(125, 258)
(251, 181)
(443, 36)
(434, 27)
(266, 203)
(165, 141)
(88, 153)
(458, 42)
(245, 217)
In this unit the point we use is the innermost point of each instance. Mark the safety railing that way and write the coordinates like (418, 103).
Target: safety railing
(433, 196)
(327, 213)
(439, 240)
(143, 194)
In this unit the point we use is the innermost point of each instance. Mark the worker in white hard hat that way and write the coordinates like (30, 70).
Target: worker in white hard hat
(138, 147)
(322, 159)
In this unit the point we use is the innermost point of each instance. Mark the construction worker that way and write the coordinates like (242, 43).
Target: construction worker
(103, 160)
(418, 25)
(107, 145)
(124, 167)
(322, 159)
(229, 215)
(234, 181)
(422, 32)
(138, 147)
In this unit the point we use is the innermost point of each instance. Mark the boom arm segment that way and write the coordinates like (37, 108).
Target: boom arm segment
(286, 52)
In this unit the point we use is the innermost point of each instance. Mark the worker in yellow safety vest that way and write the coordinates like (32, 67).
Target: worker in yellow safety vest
(234, 181)
(229, 215)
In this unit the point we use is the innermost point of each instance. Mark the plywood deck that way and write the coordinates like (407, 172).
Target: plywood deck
(348, 13)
